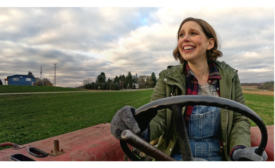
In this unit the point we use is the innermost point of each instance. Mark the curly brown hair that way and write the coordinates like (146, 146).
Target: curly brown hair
(209, 32)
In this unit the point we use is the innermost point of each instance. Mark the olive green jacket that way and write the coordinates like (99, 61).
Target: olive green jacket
(235, 127)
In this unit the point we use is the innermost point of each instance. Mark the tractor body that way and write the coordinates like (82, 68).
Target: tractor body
(96, 143)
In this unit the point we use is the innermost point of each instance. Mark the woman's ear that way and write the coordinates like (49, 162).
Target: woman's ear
(211, 43)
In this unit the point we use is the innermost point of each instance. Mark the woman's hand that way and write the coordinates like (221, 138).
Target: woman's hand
(248, 153)
(124, 119)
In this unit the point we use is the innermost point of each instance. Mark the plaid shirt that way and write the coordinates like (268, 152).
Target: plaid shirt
(192, 86)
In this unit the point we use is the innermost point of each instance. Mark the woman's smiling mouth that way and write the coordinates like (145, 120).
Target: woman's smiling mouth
(188, 48)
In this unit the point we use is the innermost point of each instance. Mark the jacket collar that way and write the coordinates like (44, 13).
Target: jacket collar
(225, 70)
(227, 74)
(220, 69)
(175, 72)
(177, 75)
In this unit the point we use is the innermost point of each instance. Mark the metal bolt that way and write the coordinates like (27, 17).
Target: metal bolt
(56, 145)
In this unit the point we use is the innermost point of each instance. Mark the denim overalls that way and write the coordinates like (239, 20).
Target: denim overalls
(204, 130)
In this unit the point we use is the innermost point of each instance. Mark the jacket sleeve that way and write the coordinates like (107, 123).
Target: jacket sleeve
(240, 133)
(158, 123)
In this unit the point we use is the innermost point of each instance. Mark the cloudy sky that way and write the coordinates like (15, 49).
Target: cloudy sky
(87, 41)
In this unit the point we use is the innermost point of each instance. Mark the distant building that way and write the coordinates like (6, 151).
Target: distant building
(140, 82)
(136, 84)
(144, 77)
(26, 80)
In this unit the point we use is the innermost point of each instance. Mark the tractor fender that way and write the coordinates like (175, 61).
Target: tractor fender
(256, 139)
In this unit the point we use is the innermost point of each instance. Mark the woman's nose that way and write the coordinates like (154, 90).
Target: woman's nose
(186, 38)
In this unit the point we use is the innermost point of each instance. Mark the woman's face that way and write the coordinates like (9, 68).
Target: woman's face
(193, 43)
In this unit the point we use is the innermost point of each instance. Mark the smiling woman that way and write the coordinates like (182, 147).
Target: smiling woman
(214, 134)
(198, 30)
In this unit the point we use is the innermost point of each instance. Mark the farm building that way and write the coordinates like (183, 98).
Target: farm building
(27, 80)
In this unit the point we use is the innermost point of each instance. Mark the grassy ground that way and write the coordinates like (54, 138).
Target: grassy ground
(18, 89)
(29, 118)
(263, 105)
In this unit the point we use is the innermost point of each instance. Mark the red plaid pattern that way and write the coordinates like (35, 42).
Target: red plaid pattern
(192, 86)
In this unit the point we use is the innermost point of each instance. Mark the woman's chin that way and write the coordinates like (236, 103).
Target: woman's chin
(189, 58)
(193, 57)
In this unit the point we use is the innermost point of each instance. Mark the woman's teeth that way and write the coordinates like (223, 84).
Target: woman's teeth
(188, 48)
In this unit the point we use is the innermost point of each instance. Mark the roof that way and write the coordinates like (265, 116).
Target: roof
(29, 76)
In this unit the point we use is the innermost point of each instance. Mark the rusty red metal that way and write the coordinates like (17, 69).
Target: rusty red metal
(256, 139)
(96, 143)
(14, 146)
(7, 144)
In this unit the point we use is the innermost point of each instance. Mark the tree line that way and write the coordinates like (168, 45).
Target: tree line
(267, 85)
(120, 82)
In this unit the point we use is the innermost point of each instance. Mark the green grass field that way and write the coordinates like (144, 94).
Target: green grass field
(18, 89)
(263, 105)
(29, 118)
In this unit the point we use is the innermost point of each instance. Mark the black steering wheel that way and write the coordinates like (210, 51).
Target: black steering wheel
(147, 112)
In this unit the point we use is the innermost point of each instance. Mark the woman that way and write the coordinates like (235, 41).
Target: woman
(214, 134)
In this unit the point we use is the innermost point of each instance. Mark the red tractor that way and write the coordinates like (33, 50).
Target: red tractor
(96, 143)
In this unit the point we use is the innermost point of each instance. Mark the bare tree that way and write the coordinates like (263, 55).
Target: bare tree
(46, 82)
(147, 82)
(38, 82)
(43, 82)
(141, 82)
(87, 81)
(267, 85)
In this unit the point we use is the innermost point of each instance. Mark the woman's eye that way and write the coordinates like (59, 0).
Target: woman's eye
(181, 35)
(193, 33)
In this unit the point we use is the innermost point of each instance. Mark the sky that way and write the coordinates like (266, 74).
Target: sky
(85, 41)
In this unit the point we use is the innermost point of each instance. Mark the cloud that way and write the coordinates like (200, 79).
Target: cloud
(86, 41)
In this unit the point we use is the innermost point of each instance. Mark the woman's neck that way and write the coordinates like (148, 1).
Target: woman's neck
(200, 70)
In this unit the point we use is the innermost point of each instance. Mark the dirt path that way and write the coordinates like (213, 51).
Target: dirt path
(255, 90)
(260, 92)
(87, 91)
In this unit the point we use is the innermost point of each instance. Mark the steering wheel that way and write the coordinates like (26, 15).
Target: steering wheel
(146, 113)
